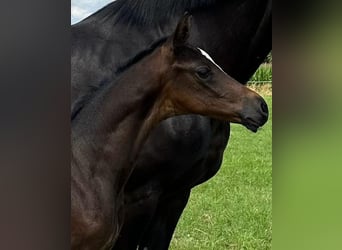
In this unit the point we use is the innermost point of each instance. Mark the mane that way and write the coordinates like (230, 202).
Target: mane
(136, 13)
(95, 89)
(143, 12)
(140, 55)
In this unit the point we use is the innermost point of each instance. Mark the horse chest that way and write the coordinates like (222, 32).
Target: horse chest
(209, 162)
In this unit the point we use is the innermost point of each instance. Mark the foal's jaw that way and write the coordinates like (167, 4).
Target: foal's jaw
(250, 111)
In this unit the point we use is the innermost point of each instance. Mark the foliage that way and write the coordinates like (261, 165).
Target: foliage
(263, 74)
(268, 58)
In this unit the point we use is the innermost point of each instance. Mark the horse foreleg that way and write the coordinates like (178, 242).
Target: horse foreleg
(159, 233)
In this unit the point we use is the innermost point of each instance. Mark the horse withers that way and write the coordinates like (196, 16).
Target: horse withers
(171, 79)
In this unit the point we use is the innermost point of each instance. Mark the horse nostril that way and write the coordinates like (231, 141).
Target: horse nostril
(264, 107)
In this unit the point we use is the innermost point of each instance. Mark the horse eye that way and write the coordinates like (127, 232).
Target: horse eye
(203, 72)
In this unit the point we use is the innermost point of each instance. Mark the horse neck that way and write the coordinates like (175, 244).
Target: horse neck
(237, 34)
(108, 47)
(108, 133)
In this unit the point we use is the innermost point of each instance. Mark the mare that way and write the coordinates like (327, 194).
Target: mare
(182, 151)
(172, 78)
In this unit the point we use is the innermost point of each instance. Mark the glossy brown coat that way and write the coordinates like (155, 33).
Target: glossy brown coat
(107, 135)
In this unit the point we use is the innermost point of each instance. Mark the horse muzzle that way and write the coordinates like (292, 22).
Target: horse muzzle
(255, 113)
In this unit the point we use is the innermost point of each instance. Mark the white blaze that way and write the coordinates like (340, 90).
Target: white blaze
(210, 59)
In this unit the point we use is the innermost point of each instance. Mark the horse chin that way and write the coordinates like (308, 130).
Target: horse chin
(251, 125)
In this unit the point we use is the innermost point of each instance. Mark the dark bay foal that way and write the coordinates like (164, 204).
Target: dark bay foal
(172, 79)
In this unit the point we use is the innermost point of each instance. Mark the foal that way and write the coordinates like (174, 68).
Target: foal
(173, 79)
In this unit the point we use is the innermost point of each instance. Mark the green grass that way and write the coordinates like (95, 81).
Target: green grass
(233, 210)
(263, 74)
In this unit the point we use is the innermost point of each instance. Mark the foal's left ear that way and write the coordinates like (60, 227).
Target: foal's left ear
(182, 33)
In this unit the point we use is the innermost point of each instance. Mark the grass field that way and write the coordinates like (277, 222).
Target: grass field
(263, 74)
(233, 210)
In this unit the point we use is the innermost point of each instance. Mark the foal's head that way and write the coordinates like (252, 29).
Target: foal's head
(193, 83)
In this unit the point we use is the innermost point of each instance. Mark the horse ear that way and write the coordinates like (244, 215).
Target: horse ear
(182, 33)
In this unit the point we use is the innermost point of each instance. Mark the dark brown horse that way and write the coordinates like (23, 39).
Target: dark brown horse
(182, 151)
(172, 78)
